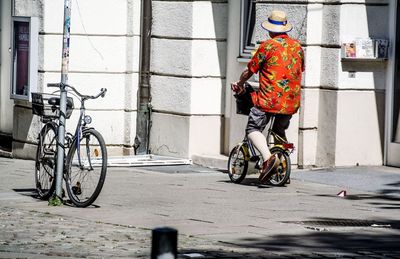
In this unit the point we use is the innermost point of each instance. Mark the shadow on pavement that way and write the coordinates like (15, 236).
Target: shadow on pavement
(391, 191)
(378, 200)
(320, 243)
(31, 192)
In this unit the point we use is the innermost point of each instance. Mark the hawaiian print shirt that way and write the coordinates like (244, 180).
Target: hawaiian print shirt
(280, 63)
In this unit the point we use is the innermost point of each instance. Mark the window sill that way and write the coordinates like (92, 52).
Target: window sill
(243, 59)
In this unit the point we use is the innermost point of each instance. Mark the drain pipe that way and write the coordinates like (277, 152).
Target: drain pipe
(143, 121)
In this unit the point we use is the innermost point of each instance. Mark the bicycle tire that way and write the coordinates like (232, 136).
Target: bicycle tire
(282, 172)
(85, 175)
(237, 164)
(46, 160)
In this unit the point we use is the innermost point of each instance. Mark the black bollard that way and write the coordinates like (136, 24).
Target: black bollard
(164, 243)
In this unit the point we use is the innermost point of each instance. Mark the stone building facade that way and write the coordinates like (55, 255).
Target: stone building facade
(349, 109)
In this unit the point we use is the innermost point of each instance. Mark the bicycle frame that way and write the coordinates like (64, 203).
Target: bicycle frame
(81, 124)
(79, 130)
(251, 152)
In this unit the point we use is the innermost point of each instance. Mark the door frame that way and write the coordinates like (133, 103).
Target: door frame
(392, 150)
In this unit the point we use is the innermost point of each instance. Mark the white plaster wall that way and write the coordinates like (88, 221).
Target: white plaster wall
(307, 151)
(308, 123)
(205, 135)
(309, 108)
(370, 21)
(170, 135)
(94, 16)
(6, 104)
(26, 123)
(185, 19)
(188, 57)
(234, 124)
(188, 61)
(308, 131)
(327, 124)
(115, 98)
(95, 54)
(339, 114)
(359, 135)
(109, 123)
(103, 54)
(360, 114)
(184, 136)
(312, 73)
(187, 95)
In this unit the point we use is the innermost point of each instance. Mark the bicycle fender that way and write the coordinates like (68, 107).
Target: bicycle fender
(87, 129)
(278, 148)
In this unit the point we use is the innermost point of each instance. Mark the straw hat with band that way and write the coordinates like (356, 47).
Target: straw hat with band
(277, 22)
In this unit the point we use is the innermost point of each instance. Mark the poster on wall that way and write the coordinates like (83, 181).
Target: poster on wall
(365, 48)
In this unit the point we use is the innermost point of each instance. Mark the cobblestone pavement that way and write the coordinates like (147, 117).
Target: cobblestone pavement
(32, 234)
(214, 218)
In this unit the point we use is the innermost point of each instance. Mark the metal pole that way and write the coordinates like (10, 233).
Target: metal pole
(164, 243)
(56, 199)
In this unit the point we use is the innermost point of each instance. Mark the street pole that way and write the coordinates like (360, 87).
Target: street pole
(56, 200)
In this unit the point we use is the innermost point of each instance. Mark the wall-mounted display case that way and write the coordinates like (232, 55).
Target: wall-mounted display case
(365, 49)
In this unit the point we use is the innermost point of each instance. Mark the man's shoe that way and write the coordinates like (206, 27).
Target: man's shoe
(268, 167)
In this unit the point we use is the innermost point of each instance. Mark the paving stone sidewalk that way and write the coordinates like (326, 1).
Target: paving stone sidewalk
(32, 234)
(214, 218)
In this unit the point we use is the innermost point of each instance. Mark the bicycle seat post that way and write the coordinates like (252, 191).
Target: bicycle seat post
(271, 125)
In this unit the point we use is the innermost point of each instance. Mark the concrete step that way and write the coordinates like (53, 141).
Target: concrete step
(5, 153)
(212, 161)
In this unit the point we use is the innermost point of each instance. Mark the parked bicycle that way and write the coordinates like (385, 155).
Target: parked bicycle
(85, 165)
(244, 152)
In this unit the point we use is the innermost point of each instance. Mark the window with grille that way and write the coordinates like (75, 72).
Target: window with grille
(247, 18)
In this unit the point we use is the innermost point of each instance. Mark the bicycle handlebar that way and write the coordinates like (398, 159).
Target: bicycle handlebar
(102, 91)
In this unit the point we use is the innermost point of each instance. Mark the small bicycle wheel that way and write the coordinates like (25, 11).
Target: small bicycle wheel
(237, 164)
(86, 168)
(45, 163)
(282, 172)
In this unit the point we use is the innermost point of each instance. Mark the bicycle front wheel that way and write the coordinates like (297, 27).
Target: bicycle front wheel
(45, 163)
(86, 168)
(237, 164)
(282, 172)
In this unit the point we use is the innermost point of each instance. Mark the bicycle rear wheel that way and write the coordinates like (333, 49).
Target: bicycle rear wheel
(86, 168)
(237, 164)
(282, 172)
(45, 163)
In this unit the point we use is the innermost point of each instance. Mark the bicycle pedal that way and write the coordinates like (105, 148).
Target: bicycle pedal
(76, 190)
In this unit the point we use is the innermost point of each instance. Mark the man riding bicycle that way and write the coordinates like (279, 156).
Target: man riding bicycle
(280, 63)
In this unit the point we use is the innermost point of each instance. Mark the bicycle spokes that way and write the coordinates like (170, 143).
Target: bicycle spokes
(86, 168)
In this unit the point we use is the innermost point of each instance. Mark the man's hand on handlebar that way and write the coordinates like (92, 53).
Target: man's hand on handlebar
(237, 87)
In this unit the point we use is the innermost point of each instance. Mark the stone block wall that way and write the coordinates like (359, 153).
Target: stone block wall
(341, 120)
(188, 66)
(104, 53)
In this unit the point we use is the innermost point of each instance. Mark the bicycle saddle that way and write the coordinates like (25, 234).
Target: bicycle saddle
(56, 101)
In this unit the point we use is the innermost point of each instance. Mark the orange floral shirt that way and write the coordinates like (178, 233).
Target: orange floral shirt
(280, 63)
